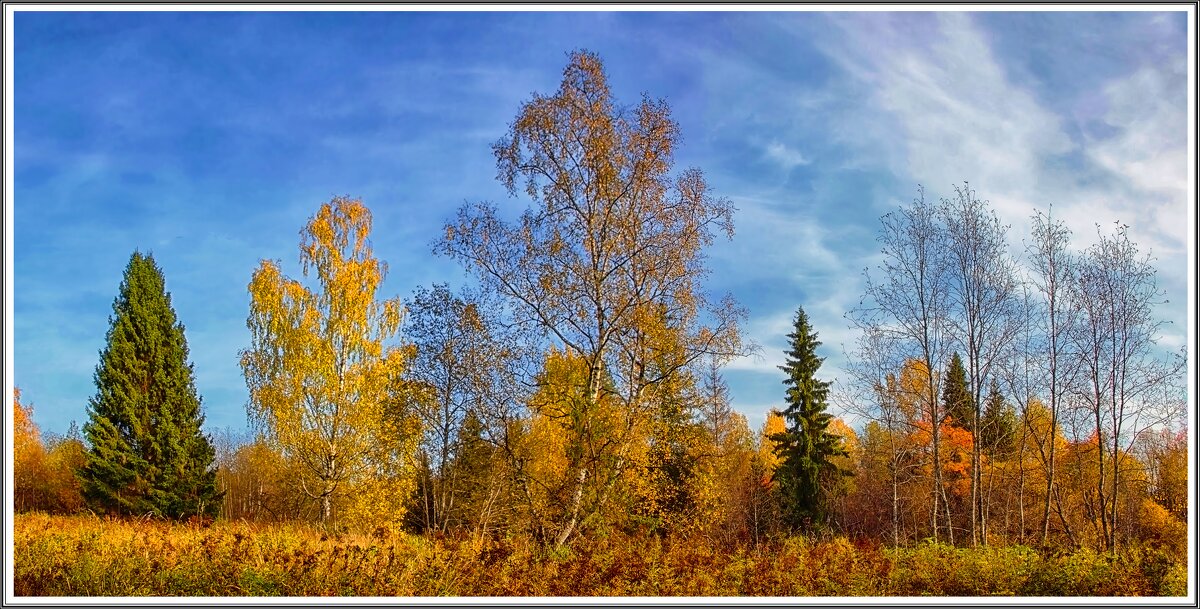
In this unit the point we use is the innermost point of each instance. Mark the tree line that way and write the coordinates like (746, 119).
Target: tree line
(577, 387)
(1025, 398)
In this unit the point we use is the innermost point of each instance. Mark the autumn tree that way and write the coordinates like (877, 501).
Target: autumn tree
(905, 312)
(725, 454)
(325, 375)
(606, 263)
(29, 457)
(887, 460)
(881, 503)
(760, 499)
(983, 293)
(838, 481)
(147, 453)
(1052, 275)
(1127, 384)
(65, 456)
(550, 441)
(806, 448)
(1166, 458)
(484, 493)
(735, 479)
(457, 362)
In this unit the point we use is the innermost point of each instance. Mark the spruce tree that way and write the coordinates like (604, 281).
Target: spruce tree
(998, 424)
(147, 453)
(805, 447)
(956, 397)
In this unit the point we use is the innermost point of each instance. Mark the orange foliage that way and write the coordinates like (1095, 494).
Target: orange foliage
(954, 450)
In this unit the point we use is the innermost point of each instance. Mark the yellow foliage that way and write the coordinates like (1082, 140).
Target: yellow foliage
(29, 457)
(1161, 528)
(324, 381)
(913, 394)
(774, 424)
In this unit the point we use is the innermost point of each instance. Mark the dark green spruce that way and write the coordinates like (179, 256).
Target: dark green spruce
(998, 425)
(956, 397)
(805, 447)
(147, 452)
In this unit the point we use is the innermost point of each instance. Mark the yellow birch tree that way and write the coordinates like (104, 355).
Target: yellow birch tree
(324, 374)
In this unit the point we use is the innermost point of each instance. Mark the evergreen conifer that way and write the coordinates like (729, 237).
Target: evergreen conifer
(147, 453)
(956, 397)
(805, 447)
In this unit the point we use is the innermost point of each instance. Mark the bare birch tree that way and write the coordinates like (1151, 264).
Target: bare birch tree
(1125, 380)
(983, 294)
(907, 305)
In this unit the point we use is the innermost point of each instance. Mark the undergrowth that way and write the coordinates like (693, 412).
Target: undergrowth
(89, 556)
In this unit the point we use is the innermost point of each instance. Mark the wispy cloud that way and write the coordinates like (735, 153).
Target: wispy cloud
(937, 84)
(785, 156)
(959, 116)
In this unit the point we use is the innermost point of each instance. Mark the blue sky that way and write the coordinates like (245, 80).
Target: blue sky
(209, 138)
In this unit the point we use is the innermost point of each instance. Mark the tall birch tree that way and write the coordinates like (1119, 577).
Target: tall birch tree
(606, 263)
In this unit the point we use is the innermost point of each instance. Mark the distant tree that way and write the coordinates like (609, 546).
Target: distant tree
(457, 364)
(997, 440)
(998, 425)
(147, 452)
(837, 482)
(760, 496)
(65, 455)
(676, 463)
(29, 457)
(1166, 457)
(325, 378)
(481, 488)
(806, 448)
(956, 396)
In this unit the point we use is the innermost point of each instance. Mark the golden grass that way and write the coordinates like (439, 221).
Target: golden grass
(89, 556)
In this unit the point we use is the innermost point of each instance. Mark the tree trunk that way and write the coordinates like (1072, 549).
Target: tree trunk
(1050, 490)
(895, 502)
(576, 502)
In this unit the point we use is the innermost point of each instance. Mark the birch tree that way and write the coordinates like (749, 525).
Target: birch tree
(1052, 276)
(324, 372)
(906, 308)
(1127, 382)
(986, 313)
(607, 261)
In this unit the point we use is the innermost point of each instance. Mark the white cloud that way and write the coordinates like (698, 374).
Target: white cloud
(959, 116)
(962, 118)
(1148, 151)
(785, 156)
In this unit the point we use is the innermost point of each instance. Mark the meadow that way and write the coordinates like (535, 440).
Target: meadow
(93, 556)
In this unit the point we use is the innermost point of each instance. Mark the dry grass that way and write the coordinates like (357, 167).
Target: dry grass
(88, 556)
